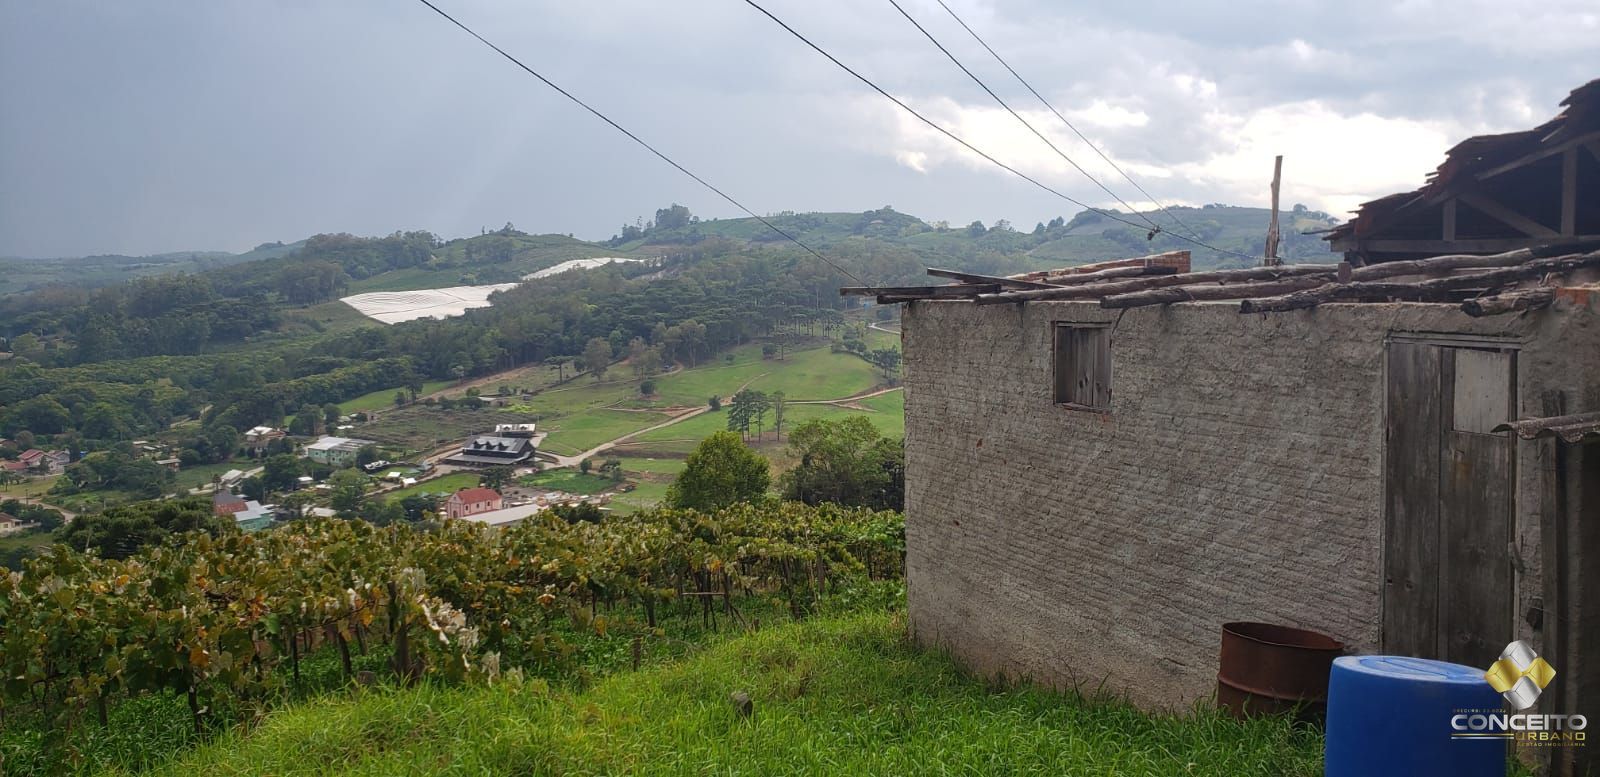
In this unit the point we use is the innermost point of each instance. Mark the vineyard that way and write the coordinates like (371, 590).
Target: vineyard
(227, 623)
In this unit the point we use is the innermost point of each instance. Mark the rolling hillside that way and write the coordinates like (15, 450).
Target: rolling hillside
(18, 274)
(1087, 237)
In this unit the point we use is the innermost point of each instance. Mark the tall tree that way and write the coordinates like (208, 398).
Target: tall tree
(495, 477)
(720, 472)
(778, 402)
(349, 486)
(597, 357)
(847, 462)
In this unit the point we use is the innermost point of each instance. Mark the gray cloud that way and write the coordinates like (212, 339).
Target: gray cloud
(137, 128)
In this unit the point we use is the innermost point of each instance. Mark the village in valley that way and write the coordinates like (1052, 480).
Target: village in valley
(1161, 485)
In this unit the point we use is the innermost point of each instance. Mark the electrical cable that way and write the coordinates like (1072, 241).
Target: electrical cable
(640, 141)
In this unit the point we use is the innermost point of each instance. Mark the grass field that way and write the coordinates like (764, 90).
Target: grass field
(845, 696)
(569, 480)
(576, 433)
(654, 466)
(683, 437)
(327, 318)
(644, 496)
(189, 478)
(583, 413)
(383, 399)
(31, 487)
(447, 484)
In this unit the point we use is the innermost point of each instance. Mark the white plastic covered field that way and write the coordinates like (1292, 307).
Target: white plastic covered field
(392, 307)
(577, 264)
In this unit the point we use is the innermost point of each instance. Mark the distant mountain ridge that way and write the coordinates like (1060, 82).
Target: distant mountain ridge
(21, 274)
(1235, 236)
(1239, 233)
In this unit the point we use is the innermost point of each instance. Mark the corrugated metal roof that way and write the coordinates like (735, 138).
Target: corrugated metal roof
(1569, 428)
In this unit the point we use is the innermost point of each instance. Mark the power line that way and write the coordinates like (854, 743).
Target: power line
(974, 149)
(935, 125)
(640, 141)
(1063, 119)
(1018, 116)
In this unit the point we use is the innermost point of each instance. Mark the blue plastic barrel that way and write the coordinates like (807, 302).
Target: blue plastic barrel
(1390, 715)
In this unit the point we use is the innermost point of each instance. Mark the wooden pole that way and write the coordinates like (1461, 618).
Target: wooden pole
(1272, 259)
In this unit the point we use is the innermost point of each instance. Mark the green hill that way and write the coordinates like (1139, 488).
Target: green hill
(847, 696)
(19, 275)
(1087, 237)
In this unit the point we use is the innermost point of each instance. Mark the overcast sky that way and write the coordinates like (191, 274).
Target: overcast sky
(143, 127)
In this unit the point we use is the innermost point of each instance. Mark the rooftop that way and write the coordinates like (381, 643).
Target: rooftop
(479, 494)
(1514, 281)
(338, 443)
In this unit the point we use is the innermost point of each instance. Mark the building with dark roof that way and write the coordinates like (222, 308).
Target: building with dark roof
(497, 449)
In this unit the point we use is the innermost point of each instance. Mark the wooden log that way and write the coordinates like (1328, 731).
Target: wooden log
(1439, 264)
(1079, 279)
(952, 291)
(1420, 289)
(1208, 292)
(1510, 302)
(1012, 283)
(1167, 258)
(1139, 284)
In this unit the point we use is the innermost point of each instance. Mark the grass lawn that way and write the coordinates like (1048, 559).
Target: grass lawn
(573, 434)
(818, 374)
(199, 475)
(846, 696)
(813, 373)
(644, 496)
(32, 487)
(383, 399)
(890, 417)
(683, 437)
(448, 484)
(652, 465)
(569, 480)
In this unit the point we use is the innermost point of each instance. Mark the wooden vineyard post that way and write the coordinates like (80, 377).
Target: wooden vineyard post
(1271, 259)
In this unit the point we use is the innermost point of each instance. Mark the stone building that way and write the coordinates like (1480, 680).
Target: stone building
(1103, 467)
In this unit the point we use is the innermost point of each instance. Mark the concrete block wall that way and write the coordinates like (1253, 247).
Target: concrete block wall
(1238, 476)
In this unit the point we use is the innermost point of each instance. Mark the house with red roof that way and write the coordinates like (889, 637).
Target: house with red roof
(471, 501)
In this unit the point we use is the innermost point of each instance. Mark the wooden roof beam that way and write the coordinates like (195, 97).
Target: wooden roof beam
(1507, 216)
(952, 291)
(1530, 158)
(1433, 289)
(968, 277)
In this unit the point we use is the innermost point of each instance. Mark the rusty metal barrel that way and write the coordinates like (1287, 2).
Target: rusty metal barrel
(1269, 669)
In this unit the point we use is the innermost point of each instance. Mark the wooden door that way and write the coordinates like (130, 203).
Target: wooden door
(1448, 525)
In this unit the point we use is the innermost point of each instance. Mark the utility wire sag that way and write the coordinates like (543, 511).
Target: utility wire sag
(1063, 118)
(640, 141)
(974, 149)
(1018, 116)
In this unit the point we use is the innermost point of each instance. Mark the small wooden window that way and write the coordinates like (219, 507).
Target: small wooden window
(1082, 366)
